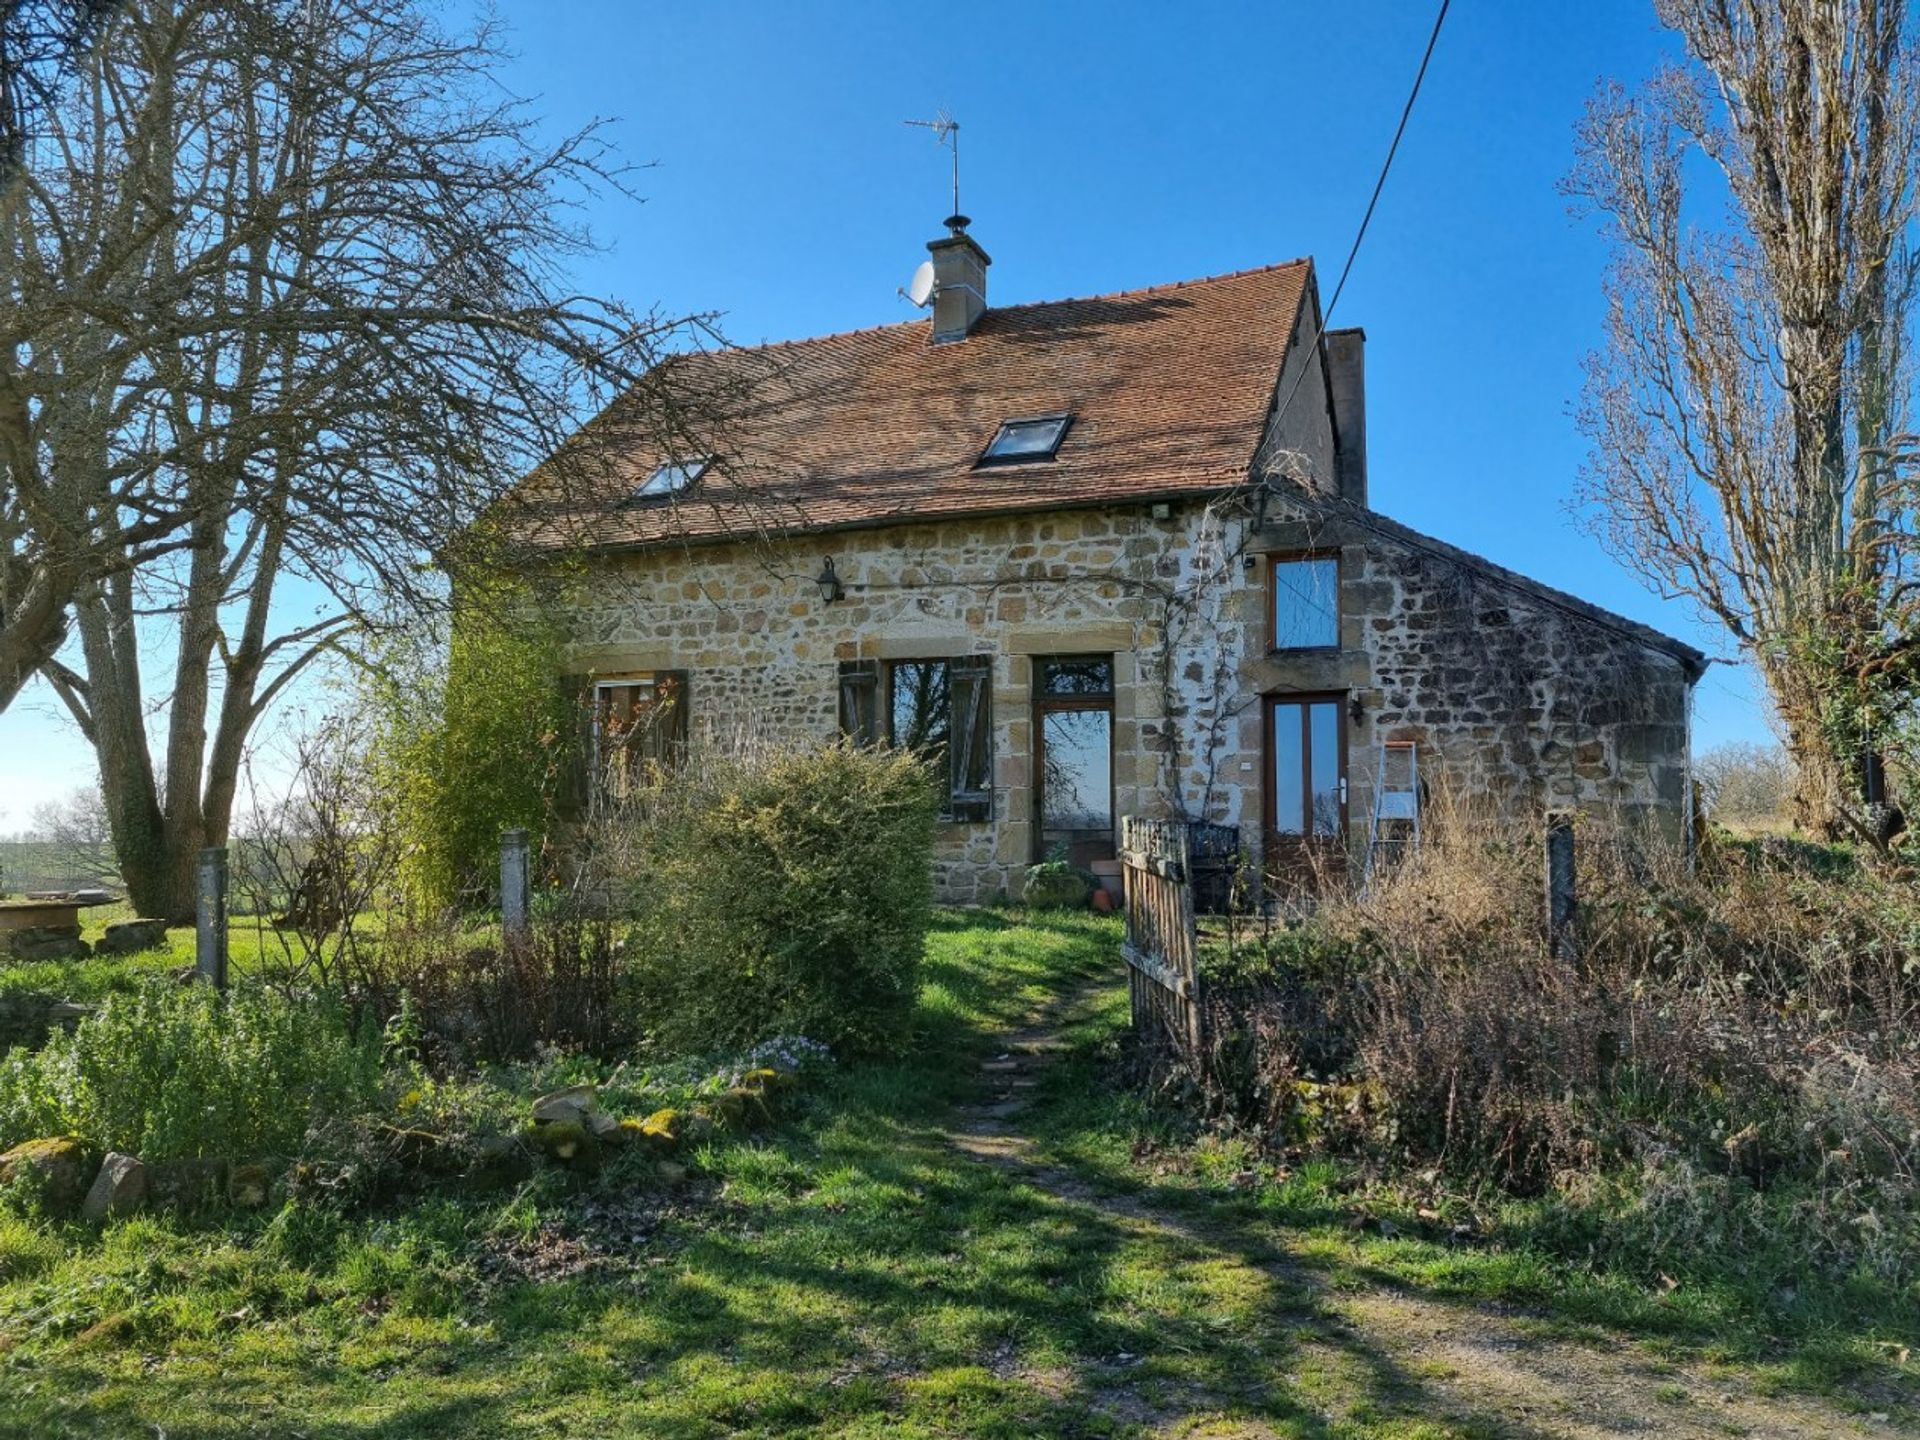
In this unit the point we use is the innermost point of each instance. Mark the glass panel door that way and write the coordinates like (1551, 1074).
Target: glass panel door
(1073, 753)
(1306, 797)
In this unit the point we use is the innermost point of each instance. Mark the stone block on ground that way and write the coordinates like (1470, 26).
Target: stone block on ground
(26, 1018)
(573, 1104)
(130, 937)
(186, 1184)
(47, 942)
(247, 1186)
(568, 1141)
(59, 1167)
(119, 1188)
(661, 1130)
(1057, 889)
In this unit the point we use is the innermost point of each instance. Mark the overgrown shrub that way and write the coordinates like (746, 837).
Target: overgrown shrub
(777, 891)
(471, 998)
(474, 744)
(175, 1072)
(1736, 1043)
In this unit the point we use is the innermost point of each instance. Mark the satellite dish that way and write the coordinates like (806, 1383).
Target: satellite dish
(920, 288)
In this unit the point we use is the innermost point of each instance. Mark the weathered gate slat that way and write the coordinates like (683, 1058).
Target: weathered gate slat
(1161, 946)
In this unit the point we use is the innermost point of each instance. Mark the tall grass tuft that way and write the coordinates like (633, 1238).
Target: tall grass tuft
(1732, 1061)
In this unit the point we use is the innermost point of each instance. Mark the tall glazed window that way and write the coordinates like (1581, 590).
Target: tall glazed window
(1073, 757)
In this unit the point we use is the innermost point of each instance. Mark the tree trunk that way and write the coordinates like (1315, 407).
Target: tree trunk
(1823, 786)
(1819, 792)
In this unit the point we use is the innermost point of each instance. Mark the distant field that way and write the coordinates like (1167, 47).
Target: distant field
(41, 865)
(32, 865)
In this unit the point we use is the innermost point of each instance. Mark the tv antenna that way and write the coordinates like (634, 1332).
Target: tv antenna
(946, 131)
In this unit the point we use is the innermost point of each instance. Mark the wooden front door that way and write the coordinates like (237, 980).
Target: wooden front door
(1306, 791)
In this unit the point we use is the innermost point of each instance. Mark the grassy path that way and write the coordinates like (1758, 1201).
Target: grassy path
(1308, 1357)
(971, 1241)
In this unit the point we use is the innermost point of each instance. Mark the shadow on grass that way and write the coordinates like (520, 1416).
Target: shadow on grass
(850, 1273)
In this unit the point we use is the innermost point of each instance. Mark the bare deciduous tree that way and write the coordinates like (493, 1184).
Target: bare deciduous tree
(40, 40)
(280, 313)
(1746, 784)
(81, 843)
(1748, 411)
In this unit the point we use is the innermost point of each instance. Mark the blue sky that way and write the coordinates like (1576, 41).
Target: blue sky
(1111, 146)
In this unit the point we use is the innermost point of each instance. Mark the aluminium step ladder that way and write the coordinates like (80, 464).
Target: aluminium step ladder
(1394, 827)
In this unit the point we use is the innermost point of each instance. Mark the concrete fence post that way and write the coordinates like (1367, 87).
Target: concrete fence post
(1562, 894)
(210, 918)
(513, 884)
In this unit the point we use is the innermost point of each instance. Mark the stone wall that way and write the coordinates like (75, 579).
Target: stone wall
(763, 650)
(1516, 698)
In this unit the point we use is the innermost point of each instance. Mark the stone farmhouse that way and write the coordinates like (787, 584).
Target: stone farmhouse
(1099, 557)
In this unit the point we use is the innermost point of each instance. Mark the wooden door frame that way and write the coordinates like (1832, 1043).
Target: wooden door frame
(1269, 801)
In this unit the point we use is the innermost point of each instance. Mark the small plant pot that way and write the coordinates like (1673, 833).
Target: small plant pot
(1108, 875)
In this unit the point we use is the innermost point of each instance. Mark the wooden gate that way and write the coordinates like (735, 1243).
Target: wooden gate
(1161, 943)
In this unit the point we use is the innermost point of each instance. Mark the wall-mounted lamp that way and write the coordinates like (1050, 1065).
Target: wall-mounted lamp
(1355, 708)
(1249, 561)
(829, 583)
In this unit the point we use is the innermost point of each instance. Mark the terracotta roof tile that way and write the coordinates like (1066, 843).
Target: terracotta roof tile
(1168, 387)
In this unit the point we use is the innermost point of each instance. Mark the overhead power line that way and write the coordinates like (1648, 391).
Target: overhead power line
(1406, 112)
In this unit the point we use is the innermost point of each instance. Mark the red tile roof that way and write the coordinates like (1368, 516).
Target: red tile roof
(1169, 389)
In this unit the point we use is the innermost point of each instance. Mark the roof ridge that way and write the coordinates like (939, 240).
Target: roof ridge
(1294, 263)
(1164, 285)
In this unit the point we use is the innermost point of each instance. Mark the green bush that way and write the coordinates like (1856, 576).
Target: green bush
(783, 893)
(174, 1073)
(472, 745)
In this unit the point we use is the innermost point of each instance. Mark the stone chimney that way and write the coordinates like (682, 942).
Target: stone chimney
(1347, 379)
(959, 282)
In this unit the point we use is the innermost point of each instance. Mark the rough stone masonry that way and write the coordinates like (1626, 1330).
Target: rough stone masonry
(1517, 695)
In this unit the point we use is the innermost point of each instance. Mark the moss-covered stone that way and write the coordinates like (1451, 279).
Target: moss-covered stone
(662, 1129)
(248, 1186)
(567, 1141)
(116, 1330)
(186, 1184)
(573, 1104)
(57, 1170)
(746, 1106)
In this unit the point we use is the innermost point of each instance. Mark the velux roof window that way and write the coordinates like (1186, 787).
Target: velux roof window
(1020, 442)
(671, 478)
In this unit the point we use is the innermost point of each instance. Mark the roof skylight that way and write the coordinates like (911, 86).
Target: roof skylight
(671, 478)
(1018, 442)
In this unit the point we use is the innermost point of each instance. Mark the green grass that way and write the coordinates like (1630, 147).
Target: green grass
(848, 1273)
(253, 945)
(1822, 1335)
